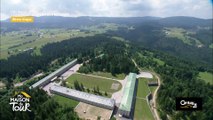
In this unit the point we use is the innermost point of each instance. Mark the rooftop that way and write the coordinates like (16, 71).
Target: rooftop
(52, 75)
(127, 98)
(84, 95)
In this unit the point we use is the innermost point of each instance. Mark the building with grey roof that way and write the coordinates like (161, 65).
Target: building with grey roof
(56, 73)
(83, 97)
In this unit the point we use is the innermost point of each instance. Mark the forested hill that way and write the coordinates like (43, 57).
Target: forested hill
(186, 22)
(77, 22)
(71, 22)
(187, 42)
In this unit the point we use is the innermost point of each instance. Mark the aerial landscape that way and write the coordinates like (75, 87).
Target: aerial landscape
(87, 60)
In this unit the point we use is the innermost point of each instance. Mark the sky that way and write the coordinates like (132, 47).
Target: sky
(107, 8)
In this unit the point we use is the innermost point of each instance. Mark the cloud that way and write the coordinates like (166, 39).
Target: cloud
(109, 8)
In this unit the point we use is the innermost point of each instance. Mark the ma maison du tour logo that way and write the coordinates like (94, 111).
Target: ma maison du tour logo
(20, 101)
(190, 103)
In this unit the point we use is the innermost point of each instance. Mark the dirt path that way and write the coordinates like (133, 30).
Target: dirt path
(154, 107)
(136, 65)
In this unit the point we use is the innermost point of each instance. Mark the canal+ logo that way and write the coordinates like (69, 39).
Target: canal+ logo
(20, 102)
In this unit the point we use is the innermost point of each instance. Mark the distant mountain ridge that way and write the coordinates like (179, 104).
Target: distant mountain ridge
(46, 19)
(179, 21)
(76, 22)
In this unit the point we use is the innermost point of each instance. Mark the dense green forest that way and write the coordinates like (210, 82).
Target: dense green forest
(115, 59)
(42, 107)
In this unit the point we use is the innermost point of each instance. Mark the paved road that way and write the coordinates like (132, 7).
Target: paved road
(119, 94)
(71, 71)
(145, 75)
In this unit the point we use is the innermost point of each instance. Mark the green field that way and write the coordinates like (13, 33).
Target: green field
(18, 41)
(211, 46)
(160, 62)
(182, 34)
(118, 38)
(91, 82)
(109, 75)
(206, 76)
(143, 89)
(65, 101)
(152, 88)
(142, 110)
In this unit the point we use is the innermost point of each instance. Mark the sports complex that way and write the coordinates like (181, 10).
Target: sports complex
(125, 98)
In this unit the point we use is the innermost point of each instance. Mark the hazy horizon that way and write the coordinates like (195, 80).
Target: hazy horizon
(107, 8)
(115, 17)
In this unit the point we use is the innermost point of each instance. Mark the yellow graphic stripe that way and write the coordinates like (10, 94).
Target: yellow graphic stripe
(26, 95)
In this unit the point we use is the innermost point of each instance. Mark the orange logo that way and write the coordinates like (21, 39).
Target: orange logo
(22, 19)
